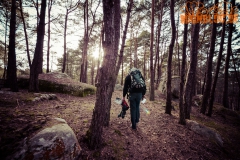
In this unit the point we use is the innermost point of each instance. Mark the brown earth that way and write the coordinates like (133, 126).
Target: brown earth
(158, 135)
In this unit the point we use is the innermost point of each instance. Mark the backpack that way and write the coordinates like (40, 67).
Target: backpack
(137, 79)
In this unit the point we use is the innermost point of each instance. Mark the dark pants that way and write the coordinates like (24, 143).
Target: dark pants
(135, 99)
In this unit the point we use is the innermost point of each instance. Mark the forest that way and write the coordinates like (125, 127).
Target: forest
(184, 49)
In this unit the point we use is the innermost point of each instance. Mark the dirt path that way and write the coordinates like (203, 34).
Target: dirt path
(158, 135)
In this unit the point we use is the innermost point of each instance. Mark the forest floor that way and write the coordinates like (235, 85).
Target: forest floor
(158, 135)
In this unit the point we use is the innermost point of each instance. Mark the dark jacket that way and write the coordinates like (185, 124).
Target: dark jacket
(127, 85)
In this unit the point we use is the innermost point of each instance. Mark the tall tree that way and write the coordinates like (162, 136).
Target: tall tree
(83, 74)
(151, 54)
(36, 66)
(157, 65)
(69, 9)
(111, 19)
(225, 88)
(12, 68)
(50, 2)
(120, 60)
(169, 65)
(214, 84)
(181, 98)
(207, 89)
(189, 85)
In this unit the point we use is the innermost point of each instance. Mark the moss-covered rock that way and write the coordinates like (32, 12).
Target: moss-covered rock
(59, 83)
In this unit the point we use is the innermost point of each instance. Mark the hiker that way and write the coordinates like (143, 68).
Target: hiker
(134, 85)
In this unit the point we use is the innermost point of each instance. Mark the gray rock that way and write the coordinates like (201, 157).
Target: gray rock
(207, 132)
(55, 142)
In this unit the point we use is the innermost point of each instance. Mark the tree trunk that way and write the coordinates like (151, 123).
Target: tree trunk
(156, 65)
(68, 11)
(151, 54)
(192, 69)
(83, 74)
(237, 77)
(135, 50)
(25, 33)
(181, 98)
(111, 18)
(12, 68)
(207, 90)
(225, 88)
(120, 60)
(65, 43)
(36, 66)
(49, 34)
(169, 65)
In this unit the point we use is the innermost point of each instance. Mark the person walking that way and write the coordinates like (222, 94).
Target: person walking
(135, 86)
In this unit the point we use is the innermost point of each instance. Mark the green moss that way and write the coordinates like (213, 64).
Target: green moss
(49, 86)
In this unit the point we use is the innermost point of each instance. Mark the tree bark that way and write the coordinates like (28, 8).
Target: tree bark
(207, 90)
(151, 54)
(65, 43)
(12, 68)
(158, 41)
(135, 50)
(192, 69)
(49, 34)
(225, 88)
(169, 65)
(83, 74)
(111, 18)
(36, 66)
(214, 84)
(181, 98)
(120, 60)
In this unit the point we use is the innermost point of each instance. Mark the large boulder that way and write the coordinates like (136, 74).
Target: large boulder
(59, 83)
(175, 85)
(207, 132)
(56, 141)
